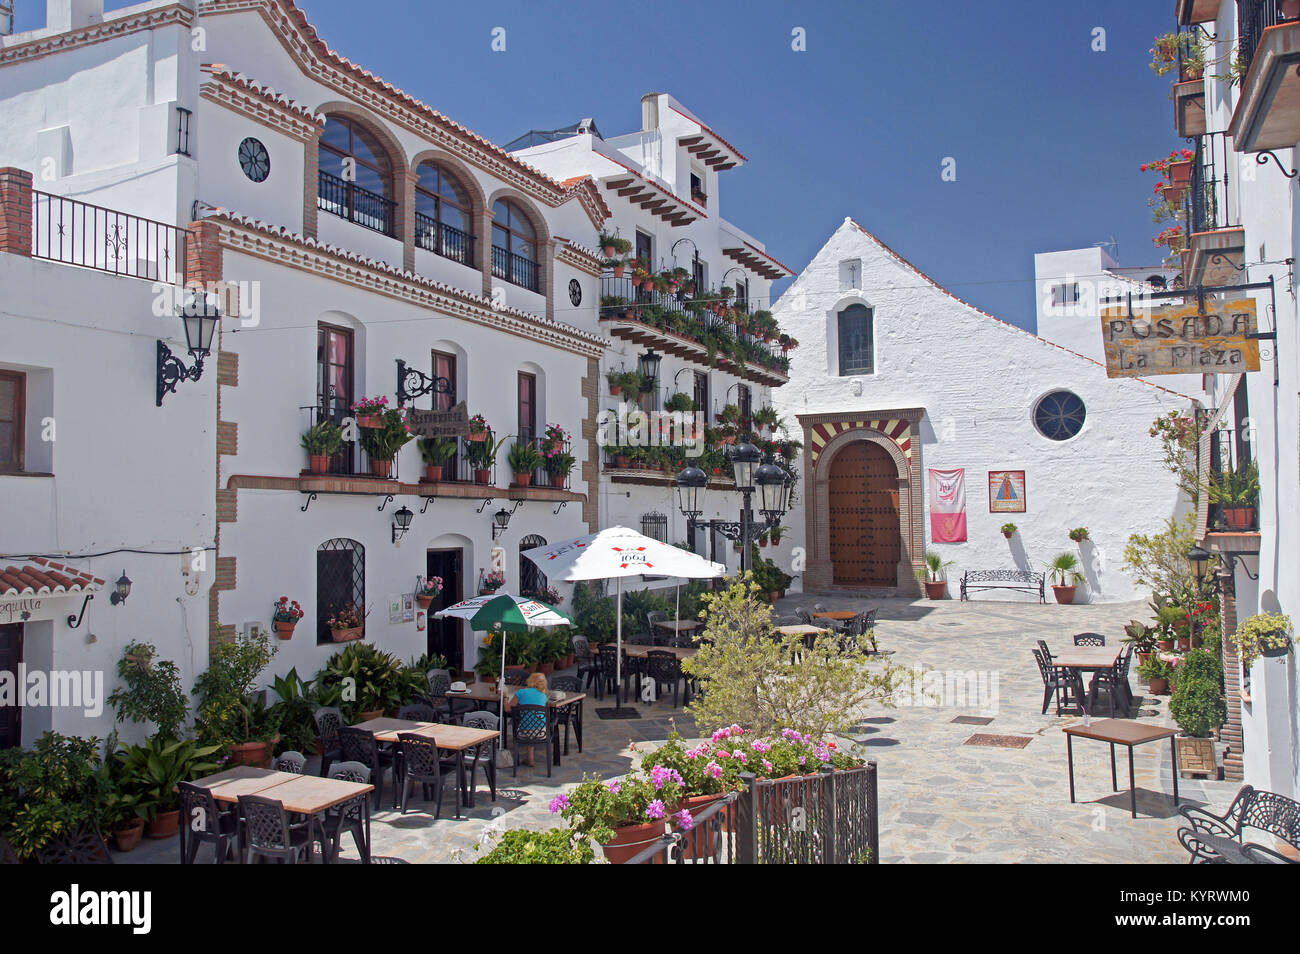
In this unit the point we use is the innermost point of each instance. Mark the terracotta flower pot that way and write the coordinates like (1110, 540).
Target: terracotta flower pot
(250, 753)
(370, 421)
(318, 463)
(618, 271)
(1165, 644)
(1180, 173)
(424, 601)
(936, 590)
(523, 480)
(1158, 687)
(630, 840)
(557, 480)
(283, 629)
(615, 390)
(609, 251)
(164, 824)
(696, 843)
(1239, 518)
(546, 668)
(476, 436)
(1064, 594)
(433, 473)
(1007, 535)
(346, 635)
(127, 838)
(1143, 657)
(482, 476)
(381, 468)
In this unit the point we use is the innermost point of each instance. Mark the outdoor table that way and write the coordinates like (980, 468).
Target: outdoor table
(1086, 659)
(641, 652)
(312, 796)
(840, 615)
(678, 626)
(227, 786)
(801, 629)
(1121, 732)
(479, 692)
(453, 738)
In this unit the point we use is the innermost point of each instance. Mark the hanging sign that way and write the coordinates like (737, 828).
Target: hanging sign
(1181, 340)
(453, 422)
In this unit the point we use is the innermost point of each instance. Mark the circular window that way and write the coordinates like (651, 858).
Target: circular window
(254, 159)
(1060, 415)
(575, 292)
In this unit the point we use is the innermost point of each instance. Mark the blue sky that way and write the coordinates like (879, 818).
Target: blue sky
(1046, 133)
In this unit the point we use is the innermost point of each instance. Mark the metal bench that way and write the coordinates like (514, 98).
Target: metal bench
(1026, 581)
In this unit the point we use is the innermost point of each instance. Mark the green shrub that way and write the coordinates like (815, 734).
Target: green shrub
(1197, 705)
(363, 678)
(555, 846)
(151, 692)
(49, 790)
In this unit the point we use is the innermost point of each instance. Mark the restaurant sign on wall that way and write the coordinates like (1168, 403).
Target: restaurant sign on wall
(1181, 339)
(453, 422)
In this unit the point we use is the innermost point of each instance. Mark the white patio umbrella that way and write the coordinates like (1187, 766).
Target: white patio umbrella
(614, 553)
(504, 612)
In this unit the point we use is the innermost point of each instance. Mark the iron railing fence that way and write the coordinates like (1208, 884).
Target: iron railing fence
(349, 201)
(352, 459)
(1253, 18)
(514, 268)
(1212, 200)
(91, 236)
(443, 239)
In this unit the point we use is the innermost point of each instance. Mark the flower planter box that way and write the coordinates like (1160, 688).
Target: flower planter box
(346, 635)
(630, 840)
(370, 421)
(1180, 173)
(318, 463)
(1239, 518)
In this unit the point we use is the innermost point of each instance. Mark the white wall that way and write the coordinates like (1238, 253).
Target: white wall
(979, 380)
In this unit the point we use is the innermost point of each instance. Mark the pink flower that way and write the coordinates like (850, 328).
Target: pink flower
(559, 803)
(614, 787)
(685, 821)
(655, 809)
(714, 769)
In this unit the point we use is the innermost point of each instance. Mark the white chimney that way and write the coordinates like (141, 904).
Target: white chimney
(6, 17)
(64, 15)
(650, 112)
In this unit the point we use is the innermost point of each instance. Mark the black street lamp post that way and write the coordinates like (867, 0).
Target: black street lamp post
(751, 474)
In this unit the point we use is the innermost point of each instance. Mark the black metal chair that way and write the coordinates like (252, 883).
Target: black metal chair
(438, 682)
(421, 763)
(485, 753)
(418, 712)
(1115, 681)
(1252, 810)
(568, 716)
(1056, 679)
(658, 637)
(533, 727)
(587, 670)
(861, 627)
(516, 677)
(291, 761)
(203, 820)
(350, 816)
(358, 745)
(268, 834)
(329, 719)
(1089, 639)
(607, 670)
(665, 669)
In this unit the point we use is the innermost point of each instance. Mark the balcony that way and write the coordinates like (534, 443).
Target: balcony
(1189, 108)
(686, 327)
(1217, 240)
(349, 201)
(1268, 107)
(445, 240)
(78, 233)
(514, 268)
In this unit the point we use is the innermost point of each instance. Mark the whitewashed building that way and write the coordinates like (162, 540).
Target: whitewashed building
(895, 377)
(1244, 137)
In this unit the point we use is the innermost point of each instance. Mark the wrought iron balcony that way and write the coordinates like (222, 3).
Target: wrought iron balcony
(1253, 18)
(78, 233)
(1212, 201)
(444, 240)
(514, 268)
(349, 201)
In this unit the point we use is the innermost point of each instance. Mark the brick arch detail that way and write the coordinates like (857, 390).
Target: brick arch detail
(403, 214)
(545, 243)
(477, 200)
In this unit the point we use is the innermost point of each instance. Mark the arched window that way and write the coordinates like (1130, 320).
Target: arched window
(532, 581)
(444, 220)
(356, 175)
(340, 582)
(857, 341)
(1060, 415)
(514, 245)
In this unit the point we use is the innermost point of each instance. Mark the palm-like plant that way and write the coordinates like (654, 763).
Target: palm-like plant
(935, 566)
(1066, 566)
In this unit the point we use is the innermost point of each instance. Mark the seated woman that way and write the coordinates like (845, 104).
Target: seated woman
(533, 694)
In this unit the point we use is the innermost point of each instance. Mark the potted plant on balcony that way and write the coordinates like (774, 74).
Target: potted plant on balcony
(559, 466)
(613, 245)
(382, 443)
(1237, 493)
(1265, 634)
(1198, 708)
(489, 583)
(321, 442)
(1079, 534)
(1065, 569)
(478, 429)
(765, 418)
(286, 617)
(482, 456)
(524, 459)
(427, 590)
(681, 403)
(435, 452)
(934, 575)
(1009, 529)
(369, 412)
(347, 623)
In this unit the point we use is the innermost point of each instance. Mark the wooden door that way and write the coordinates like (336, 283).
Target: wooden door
(11, 654)
(862, 512)
(445, 636)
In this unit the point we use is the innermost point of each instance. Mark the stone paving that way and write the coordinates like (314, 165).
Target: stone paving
(941, 800)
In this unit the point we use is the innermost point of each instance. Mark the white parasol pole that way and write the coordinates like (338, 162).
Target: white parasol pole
(677, 613)
(501, 684)
(618, 659)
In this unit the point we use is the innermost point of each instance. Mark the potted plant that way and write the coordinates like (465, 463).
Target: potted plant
(1263, 635)
(347, 623)
(435, 452)
(559, 466)
(56, 786)
(1142, 638)
(680, 403)
(1008, 529)
(152, 770)
(123, 814)
(524, 459)
(934, 575)
(1064, 568)
(381, 443)
(489, 583)
(624, 816)
(294, 710)
(613, 245)
(765, 417)
(478, 429)
(705, 779)
(1198, 707)
(1157, 672)
(321, 442)
(1237, 493)
(482, 456)
(427, 590)
(231, 712)
(150, 693)
(1079, 534)
(285, 617)
(365, 682)
(369, 412)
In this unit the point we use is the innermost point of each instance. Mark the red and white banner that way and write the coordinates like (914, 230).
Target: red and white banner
(948, 506)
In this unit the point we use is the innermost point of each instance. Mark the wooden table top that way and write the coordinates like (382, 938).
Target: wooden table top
(641, 652)
(836, 614)
(227, 786)
(1087, 657)
(309, 794)
(453, 737)
(479, 692)
(678, 625)
(1120, 731)
(802, 629)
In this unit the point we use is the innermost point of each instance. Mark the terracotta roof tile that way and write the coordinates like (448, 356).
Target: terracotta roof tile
(32, 580)
(711, 134)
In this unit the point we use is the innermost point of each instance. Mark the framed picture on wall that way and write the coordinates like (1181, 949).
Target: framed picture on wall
(1006, 491)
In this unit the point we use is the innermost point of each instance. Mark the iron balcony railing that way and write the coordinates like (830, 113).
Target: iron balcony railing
(1253, 18)
(514, 268)
(1212, 200)
(443, 239)
(541, 476)
(349, 201)
(78, 233)
(352, 459)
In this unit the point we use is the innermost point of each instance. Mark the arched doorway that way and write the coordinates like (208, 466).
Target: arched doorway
(532, 581)
(862, 507)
